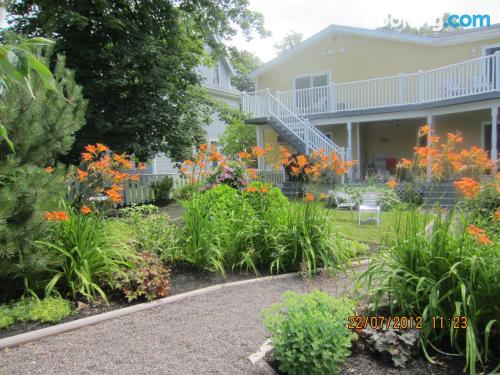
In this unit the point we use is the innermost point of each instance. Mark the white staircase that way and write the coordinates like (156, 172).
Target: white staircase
(298, 131)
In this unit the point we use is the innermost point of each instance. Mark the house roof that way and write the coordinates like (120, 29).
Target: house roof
(436, 40)
(224, 58)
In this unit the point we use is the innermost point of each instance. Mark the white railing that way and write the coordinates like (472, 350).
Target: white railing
(312, 138)
(468, 78)
(256, 103)
(273, 177)
(140, 191)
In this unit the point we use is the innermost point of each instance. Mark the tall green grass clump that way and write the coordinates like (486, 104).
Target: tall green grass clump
(433, 267)
(84, 258)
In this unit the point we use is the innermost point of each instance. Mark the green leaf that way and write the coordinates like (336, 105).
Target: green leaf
(43, 72)
(4, 135)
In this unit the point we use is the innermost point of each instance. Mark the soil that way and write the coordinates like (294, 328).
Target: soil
(183, 278)
(365, 363)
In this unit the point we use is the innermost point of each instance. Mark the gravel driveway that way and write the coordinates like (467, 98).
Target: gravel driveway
(207, 334)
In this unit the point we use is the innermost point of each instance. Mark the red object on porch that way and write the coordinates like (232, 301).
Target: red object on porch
(390, 163)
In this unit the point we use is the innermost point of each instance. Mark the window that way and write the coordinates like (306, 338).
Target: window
(312, 101)
(490, 67)
(307, 82)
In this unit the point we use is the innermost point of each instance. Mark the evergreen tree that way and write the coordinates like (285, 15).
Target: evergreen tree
(41, 124)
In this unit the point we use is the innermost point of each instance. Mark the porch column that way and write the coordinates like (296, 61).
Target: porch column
(261, 162)
(430, 120)
(358, 152)
(154, 166)
(494, 136)
(349, 148)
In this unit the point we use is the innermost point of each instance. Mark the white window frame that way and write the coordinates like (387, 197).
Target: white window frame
(328, 73)
(488, 46)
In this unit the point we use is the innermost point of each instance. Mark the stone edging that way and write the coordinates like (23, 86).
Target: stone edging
(23, 338)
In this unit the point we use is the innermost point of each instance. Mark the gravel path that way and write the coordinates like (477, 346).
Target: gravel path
(208, 334)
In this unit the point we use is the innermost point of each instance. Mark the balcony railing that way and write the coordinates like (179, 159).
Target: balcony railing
(468, 78)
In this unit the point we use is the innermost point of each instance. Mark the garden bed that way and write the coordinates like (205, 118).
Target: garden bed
(363, 363)
(183, 278)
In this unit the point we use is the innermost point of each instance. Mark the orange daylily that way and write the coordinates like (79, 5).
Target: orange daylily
(258, 151)
(467, 186)
(309, 197)
(56, 216)
(301, 161)
(86, 156)
(49, 169)
(251, 189)
(263, 189)
(82, 175)
(252, 173)
(85, 210)
(244, 155)
(424, 130)
(392, 183)
(479, 233)
(91, 149)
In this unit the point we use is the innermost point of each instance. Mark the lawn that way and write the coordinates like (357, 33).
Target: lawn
(346, 224)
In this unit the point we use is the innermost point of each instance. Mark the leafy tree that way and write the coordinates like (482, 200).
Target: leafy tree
(237, 137)
(135, 61)
(244, 62)
(290, 40)
(41, 123)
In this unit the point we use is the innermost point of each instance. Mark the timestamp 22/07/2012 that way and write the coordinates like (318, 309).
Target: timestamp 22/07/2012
(405, 322)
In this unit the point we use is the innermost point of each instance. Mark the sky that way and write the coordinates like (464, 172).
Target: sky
(310, 16)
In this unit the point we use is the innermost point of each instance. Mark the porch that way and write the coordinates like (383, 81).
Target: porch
(416, 98)
(378, 142)
(472, 80)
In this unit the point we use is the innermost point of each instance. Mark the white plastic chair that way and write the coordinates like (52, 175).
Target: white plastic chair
(370, 202)
(343, 200)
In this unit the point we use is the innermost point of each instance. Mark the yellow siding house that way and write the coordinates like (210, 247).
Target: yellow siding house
(364, 93)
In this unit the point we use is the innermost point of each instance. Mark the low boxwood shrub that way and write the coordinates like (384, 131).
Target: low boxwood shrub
(309, 332)
(47, 310)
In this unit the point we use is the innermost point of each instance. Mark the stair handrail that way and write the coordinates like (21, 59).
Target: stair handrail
(308, 127)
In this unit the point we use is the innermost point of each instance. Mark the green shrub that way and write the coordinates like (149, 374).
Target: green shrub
(6, 318)
(48, 310)
(432, 267)
(307, 236)
(484, 205)
(84, 258)
(187, 191)
(268, 201)
(226, 228)
(148, 278)
(309, 333)
(161, 190)
(152, 230)
(198, 240)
